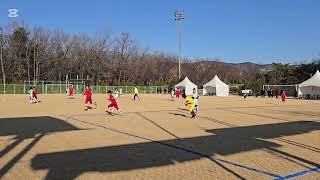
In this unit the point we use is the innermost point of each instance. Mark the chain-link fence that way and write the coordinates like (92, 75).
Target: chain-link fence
(46, 87)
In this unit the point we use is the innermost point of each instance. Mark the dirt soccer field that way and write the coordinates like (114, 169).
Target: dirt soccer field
(231, 138)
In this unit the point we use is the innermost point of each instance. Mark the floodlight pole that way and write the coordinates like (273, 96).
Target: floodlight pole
(180, 31)
(179, 16)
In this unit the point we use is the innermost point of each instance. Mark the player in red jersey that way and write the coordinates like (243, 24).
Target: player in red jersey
(88, 94)
(35, 93)
(113, 103)
(178, 94)
(283, 96)
(71, 91)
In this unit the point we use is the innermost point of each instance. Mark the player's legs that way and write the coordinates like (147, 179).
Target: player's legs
(88, 100)
(86, 108)
(193, 114)
(117, 108)
(192, 110)
(35, 96)
(135, 96)
(196, 109)
(115, 105)
(110, 107)
(30, 99)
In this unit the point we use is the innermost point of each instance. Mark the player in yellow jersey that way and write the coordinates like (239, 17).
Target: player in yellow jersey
(192, 103)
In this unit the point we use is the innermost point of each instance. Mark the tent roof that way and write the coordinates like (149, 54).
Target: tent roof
(215, 82)
(185, 82)
(313, 81)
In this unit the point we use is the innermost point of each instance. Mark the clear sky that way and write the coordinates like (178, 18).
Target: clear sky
(261, 31)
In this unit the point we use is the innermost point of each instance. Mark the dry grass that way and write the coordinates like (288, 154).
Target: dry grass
(231, 138)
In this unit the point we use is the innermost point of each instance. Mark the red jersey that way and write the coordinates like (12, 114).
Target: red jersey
(112, 100)
(88, 93)
(283, 95)
(71, 90)
(178, 92)
(35, 92)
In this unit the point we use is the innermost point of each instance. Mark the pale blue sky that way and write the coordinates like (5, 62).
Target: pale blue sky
(260, 31)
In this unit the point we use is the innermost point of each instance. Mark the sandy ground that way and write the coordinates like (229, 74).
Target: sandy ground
(231, 138)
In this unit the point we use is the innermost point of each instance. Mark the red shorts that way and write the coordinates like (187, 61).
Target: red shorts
(89, 100)
(177, 95)
(115, 105)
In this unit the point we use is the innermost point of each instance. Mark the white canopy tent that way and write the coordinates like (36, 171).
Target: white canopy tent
(310, 86)
(187, 86)
(216, 87)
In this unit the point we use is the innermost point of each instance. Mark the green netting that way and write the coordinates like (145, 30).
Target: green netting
(12, 89)
(60, 88)
(20, 89)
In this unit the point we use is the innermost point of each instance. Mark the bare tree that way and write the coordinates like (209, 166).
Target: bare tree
(105, 58)
(1, 56)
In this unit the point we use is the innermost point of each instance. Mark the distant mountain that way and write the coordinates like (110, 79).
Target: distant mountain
(247, 65)
(244, 66)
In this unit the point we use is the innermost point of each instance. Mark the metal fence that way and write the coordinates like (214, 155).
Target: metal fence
(60, 88)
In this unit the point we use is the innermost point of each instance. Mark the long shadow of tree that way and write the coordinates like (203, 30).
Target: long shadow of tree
(28, 127)
(71, 164)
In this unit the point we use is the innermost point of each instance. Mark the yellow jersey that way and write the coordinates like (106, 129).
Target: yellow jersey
(191, 102)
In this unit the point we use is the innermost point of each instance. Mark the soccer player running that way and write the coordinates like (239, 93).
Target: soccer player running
(35, 93)
(178, 93)
(113, 103)
(136, 93)
(67, 91)
(88, 94)
(30, 94)
(195, 97)
(71, 91)
(192, 103)
(283, 96)
(172, 94)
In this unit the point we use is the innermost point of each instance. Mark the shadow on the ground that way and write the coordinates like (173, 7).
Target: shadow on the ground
(157, 125)
(28, 127)
(179, 114)
(71, 164)
(183, 109)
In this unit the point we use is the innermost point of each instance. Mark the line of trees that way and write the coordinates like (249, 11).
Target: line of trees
(38, 54)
